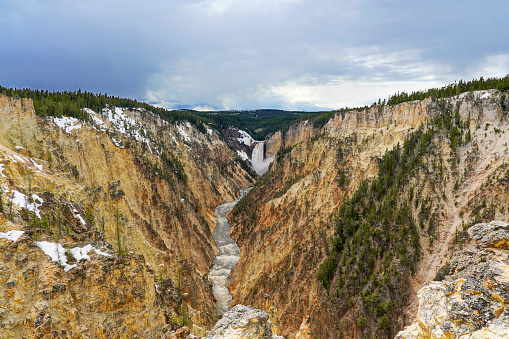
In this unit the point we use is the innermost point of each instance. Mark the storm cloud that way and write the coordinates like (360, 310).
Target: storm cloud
(231, 54)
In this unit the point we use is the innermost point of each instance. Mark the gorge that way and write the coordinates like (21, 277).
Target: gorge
(363, 223)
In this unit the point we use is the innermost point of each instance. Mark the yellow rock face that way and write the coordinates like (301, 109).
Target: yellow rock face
(283, 228)
(101, 298)
(138, 200)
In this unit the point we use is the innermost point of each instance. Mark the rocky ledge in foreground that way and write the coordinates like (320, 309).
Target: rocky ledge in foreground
(243, 322)
(470, 295)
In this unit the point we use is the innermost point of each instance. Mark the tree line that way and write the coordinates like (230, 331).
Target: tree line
(456, 88)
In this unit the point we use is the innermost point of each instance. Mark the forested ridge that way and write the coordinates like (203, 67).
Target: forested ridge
(71, 104)
(456, 88)
(259, 123)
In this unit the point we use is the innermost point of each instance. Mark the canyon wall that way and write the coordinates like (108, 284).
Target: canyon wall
(148, 187)
(286, 224)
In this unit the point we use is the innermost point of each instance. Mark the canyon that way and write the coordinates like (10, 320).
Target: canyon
(108, 224)
(289, 227)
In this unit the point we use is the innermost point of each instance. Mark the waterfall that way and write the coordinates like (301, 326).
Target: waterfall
(258, 161)
(257, 155)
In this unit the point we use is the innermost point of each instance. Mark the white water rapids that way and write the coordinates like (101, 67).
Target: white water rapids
(226, 260)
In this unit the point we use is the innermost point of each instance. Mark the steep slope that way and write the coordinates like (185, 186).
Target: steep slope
(382, 194)
(468, 299)
(129, 179)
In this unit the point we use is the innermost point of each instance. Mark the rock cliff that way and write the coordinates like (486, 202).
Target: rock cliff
(469, 296)
(243, 322)
(105, 297)
(129, 179)
(285, 227)
(106, 224)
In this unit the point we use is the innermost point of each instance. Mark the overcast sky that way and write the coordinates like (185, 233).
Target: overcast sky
(246, 54)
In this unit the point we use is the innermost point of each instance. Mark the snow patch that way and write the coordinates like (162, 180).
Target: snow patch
(243, 155)
(95, 118)
(20, 159)
(57, 253)
(124, 124)
(20, 147)
(245, 138)
(183, 133)
(485, 95)
(39, 167)
(37, 198)
(22, 200)
(80, 253)
(67, 123)
(81, 219)
(116, 142)
(11, 235)
(174, 139)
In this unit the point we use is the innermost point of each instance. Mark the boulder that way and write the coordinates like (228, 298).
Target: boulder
(243, 322)
(495, 234)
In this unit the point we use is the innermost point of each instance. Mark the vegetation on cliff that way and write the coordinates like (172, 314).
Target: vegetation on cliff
(376, 243)
(259, 123)
(71, 104)
(502, 84)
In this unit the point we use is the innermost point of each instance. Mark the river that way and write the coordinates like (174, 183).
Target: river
(226, 260)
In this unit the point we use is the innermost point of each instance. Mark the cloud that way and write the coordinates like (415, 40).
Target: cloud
(293, 54)
(491, 66)
(203, 108)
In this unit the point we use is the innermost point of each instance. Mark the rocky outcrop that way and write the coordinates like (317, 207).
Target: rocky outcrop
(472, 299)
(18, 125)
(495, 234)
(274, 144)
(243, 322)
(407, 115)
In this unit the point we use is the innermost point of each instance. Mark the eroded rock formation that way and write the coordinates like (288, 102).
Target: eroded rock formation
(472, 296)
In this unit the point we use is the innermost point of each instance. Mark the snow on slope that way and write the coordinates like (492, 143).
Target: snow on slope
(68, 124)
(245, 138)
(23, 201)
(57, 253)
(11, 235)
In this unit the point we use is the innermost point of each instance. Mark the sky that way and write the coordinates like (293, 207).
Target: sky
(248, 54)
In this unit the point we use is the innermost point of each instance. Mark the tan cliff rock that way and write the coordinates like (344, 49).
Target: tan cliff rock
(141, 202)
(471, 300)
(283, 225)
(243, 322)
(17, 122)
(101, 298)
